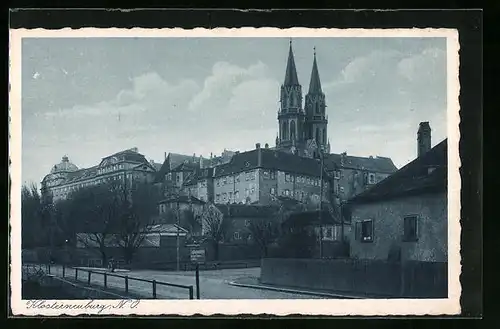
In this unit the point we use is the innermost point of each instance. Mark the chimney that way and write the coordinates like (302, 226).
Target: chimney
(343, 156)
(257, 146)
(266, 146)
(165, 155)
(259, 155)
(423, 138)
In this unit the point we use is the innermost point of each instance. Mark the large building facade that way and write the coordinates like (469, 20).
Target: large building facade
(125, 166)
(292, 168)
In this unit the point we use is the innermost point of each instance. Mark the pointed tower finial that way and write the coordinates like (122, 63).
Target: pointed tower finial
(315, 83)
(291, 78)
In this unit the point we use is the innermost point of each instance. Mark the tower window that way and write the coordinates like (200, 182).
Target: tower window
(317, 135)
(292, 130)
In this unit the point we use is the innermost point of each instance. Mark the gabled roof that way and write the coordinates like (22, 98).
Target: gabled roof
(172, 161)
(427, 173)
(270, 159)
(183, 167)
(130, 155)
(375, 164)
(291, 78)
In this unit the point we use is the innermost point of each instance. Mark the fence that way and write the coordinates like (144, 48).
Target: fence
(366, 277)
(106, 275)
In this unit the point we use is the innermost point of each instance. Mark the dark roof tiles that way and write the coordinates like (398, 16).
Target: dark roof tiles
(426, 173)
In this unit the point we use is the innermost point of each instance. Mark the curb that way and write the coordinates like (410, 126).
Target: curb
(293, 291)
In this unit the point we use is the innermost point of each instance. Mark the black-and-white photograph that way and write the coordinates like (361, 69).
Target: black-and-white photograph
(212, 168)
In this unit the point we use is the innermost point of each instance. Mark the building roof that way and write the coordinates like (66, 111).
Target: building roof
(311, 217)
(197, 175)
(375, 164)
(130, 155)
(174, 162)
(427, 173)
(315, 83)
(164, 229)
(64, 166)
(182, 199)
(270, 159)
(249, 211)
(291, 78)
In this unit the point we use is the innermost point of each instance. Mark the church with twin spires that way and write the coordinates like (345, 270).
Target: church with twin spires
(303, 130)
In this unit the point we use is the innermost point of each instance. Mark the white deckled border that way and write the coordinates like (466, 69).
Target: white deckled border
(368, 307)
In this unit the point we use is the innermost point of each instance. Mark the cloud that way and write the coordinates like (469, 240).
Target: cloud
(396, 91)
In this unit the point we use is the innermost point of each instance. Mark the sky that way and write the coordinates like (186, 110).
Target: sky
(91, 97)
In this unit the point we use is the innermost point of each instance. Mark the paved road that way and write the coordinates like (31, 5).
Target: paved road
(213, 284)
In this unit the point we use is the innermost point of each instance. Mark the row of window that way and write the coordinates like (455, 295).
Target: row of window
(63, 191)
(110, 168)
(248, 176)
(365, 228)
(303, 180)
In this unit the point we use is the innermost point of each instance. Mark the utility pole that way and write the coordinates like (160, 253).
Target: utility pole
(321, 205)
(178, 242)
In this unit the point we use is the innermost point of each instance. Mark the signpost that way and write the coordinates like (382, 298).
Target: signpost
(197, 257)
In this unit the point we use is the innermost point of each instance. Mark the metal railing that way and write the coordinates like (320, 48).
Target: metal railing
(126, 279)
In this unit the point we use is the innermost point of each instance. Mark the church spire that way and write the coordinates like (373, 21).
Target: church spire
(315, 84)
(291, 78)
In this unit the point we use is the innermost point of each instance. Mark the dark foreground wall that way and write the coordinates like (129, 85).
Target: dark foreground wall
(370, 277)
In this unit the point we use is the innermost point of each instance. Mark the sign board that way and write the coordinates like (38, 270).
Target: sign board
(198, 255)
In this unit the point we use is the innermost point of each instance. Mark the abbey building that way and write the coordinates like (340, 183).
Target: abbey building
(302, 129)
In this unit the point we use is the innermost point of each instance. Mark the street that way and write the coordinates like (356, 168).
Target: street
(214, 284)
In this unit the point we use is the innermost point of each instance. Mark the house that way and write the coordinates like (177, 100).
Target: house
(404, 217)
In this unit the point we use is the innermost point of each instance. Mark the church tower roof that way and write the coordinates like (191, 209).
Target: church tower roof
(291, 78)
(315, 83)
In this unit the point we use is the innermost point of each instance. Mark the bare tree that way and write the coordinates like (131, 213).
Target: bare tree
(138, 210)
(215, 226)
(95, 211)
(264, 231)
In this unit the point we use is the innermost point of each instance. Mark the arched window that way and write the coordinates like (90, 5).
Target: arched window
(292, 130)
(324, 135)
(284, 131)
(316, 105)
(317, 136)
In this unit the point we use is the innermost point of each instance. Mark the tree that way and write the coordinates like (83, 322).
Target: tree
(190, 222)
(32, 228)
(136, 218)
(298, 242)
(215, 226)
(264, 231)
(95, 212)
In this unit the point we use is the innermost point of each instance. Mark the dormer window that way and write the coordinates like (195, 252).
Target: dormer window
(371, 178)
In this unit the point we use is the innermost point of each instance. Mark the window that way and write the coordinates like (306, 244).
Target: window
(236, 195)
(252, 191)
(247, 223)
(230, 196)
(224, 181)
(287, 178)
(302, 196)
(273, 174)
(287, 192)
(217, 182)
(237, 178)
(273, 191)
(224, 196)
(410, 229)
(336, 174)
(217, 198)
(265, 173)
(364, 231)
(328, 233)
(371, 178)
(247, 192)
(178, 177)
(236, 235)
